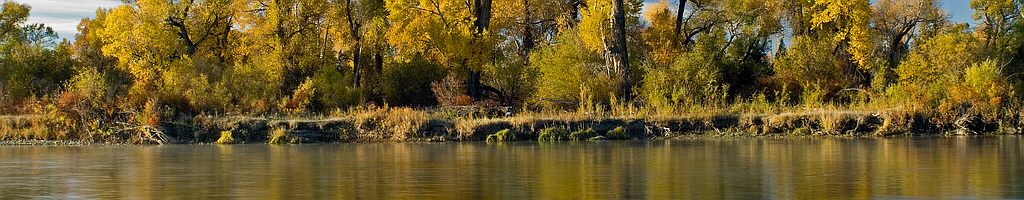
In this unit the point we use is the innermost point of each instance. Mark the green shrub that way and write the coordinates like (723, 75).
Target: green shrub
(501, 136)
(89, 82)
(253, 84)
(619, 133)
(572, 72)
(408, 83)
(693, 79)
(582, 134)
(334, 89)
(553, 134)
(516, 80)
(33, 70)
(810, 60)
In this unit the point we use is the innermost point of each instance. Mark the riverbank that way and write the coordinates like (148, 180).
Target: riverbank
(409, 125)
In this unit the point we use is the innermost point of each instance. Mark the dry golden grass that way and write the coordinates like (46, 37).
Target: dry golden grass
(280, 135)
(396, 124)
(25, 127)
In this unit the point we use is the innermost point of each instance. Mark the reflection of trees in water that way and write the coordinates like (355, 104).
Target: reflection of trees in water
(697, 169)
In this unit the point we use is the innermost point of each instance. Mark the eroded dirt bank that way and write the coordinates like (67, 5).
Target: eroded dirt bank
(239, 129)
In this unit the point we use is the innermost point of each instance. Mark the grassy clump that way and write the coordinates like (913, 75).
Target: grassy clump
(225, 138)
(501, 136)
(801, 131)
(582, 134)
(396, 124)
(619, 133)
(281, 136)
(553, 134)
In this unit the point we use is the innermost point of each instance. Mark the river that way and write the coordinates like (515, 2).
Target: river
(733, 168)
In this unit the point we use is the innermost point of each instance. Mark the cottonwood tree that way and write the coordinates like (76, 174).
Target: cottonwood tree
(898, 21)
(1001, 29)
(283, 41)
(603, 28)
(450, 33)
(841, 29)
(358, 27)
(171, 48)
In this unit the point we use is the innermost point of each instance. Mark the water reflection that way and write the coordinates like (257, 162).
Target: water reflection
(746, 168)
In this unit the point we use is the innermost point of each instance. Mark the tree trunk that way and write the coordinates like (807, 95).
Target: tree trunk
(356, 61)
(483, 20)
(620, 57)
(473, 85)
(378, 64)
(527, 32)
(679, 17)
(354, 28)
(483, 15)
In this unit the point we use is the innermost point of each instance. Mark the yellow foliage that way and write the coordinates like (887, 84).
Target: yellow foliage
(440, 29)
(661, 36)
(852, 18)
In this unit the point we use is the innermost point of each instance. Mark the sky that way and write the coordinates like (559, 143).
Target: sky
(64, 15)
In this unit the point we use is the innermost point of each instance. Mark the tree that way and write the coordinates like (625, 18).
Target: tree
(33, 63)
(898, 23)
(136, 34)
(620, 56)
(998, 18)
(282, 40)
(1002, 30)
(839, 34)
(355, 23)
(450, 33)
(14, 15)
(88, 50)
(603, 28)
(661, 39)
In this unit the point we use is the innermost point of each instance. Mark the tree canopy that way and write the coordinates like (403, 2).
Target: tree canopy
(297, 56)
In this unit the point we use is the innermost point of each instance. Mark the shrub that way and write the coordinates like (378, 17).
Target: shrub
(225, 138)
(580, 135)
(301, 98)
(151, 113)
(254, 84)
(450, 91)
(572, 72)
(516, 80)
(692, 80)
(810, 61)
(90, 83)
(408, 83)
(501, 136)
(553, 134)
(396, 124)
(281, 136)
(619, 133)
(334, 89)
(206, 96)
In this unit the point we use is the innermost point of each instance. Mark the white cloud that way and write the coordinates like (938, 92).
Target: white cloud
(60, 25)
(64, 15)
(69, 7)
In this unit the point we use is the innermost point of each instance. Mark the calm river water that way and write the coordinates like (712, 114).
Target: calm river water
(744, 168)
